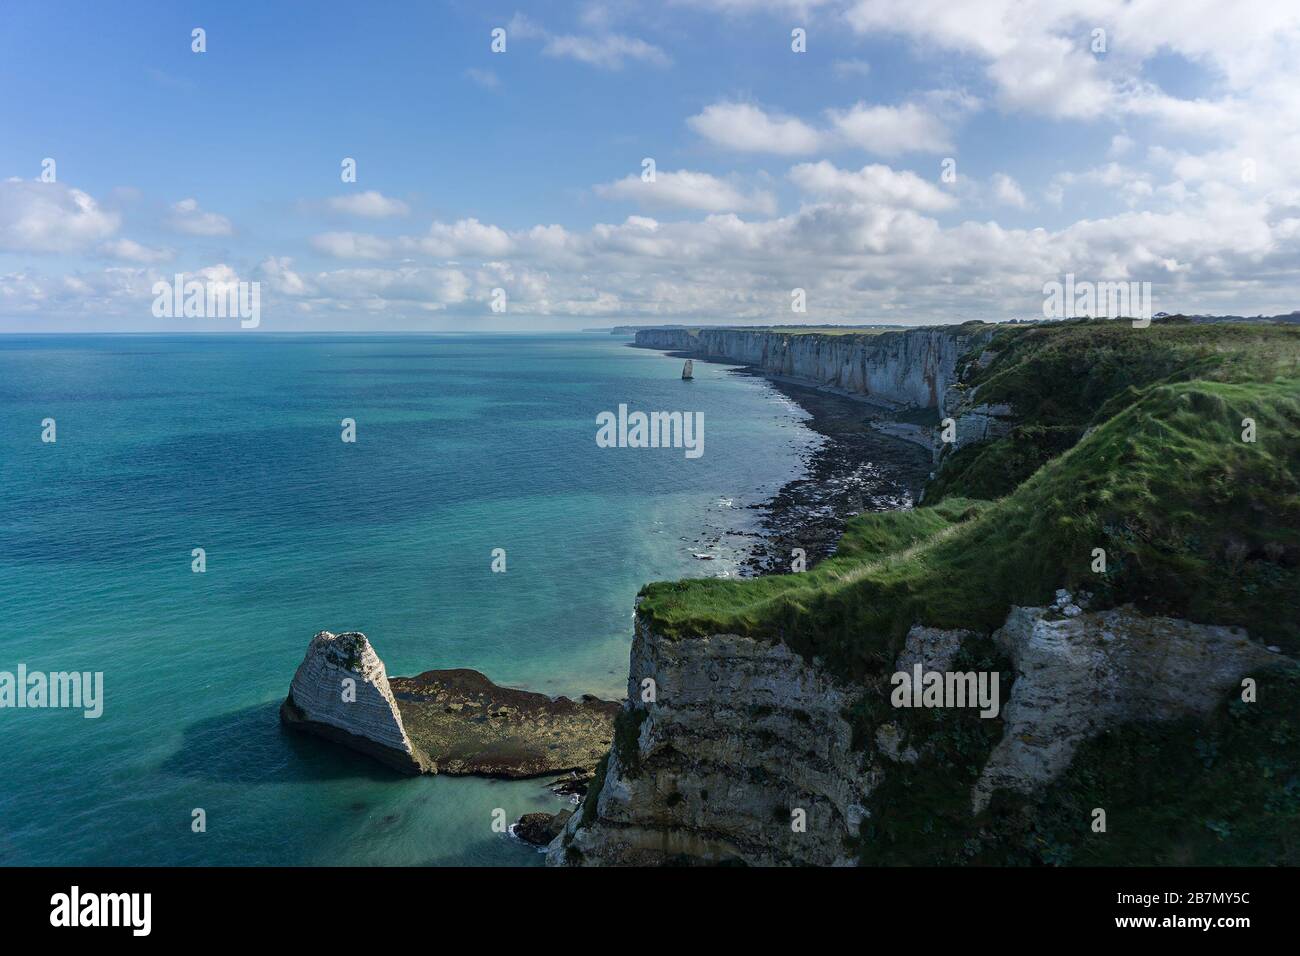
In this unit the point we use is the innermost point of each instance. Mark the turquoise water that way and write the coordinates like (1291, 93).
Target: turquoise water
(232, 444)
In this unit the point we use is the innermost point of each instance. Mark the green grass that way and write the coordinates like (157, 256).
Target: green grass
(1195, 793)
(1063, 378)
(1194, 522)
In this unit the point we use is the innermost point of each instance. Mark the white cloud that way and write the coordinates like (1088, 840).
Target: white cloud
(684, 189)
(608, 51)
(279, 275)
(1038, 53)
(1120, 145)
(747, 128)
(1129, 184)
(891, 130)
(602, 49)
(1007, 192)
(189, 218)
(884, 130)
(50, 217)
(128, 250)
(871, 184)
(465, 237)
(865, 247)
(352, 245)
(369, 204)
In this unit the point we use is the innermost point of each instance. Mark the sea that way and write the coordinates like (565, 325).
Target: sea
(233, 444)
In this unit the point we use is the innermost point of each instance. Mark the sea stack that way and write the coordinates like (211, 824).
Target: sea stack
(688, 370)
(443, 721)
(340, 692)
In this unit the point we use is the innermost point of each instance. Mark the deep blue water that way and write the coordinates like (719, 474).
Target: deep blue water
(232, 444)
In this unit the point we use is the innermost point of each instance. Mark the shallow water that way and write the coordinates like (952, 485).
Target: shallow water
(232, 444)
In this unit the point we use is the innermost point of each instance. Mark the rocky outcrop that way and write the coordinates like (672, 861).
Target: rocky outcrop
(1079, 673)
(911, 367)
(539, 829)
(742, 755)
(341, 692)
(469, 725)
(443, 721)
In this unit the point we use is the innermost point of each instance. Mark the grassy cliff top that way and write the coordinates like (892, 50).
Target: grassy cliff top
(1194, 521)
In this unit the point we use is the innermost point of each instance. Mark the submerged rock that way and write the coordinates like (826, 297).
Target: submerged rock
(443, 721)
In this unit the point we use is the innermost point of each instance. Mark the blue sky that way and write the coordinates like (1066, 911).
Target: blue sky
(478, 170)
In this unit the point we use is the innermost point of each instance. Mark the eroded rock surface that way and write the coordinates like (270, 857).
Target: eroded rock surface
(1077, 675)
(741, 734)
(741, 731)
(341, 692)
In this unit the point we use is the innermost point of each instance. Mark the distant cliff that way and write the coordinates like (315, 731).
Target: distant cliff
(912, 367)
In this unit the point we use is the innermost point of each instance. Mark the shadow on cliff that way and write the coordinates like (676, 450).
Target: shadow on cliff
(252, 746)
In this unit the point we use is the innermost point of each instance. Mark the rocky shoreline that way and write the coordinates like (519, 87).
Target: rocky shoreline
(857, 467)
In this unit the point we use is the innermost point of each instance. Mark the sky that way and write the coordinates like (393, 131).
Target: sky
(916, 162)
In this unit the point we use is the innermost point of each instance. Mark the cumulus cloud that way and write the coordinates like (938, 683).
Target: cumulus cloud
(370, 204)
(880, 129)
(187, 217)
(866, 246)
(50, 217)
(684, 189)
(465, 237)
(748, 128)
(891, 130)
(1039, 53)
(873, 184)
(352, 245)
(1007, 192)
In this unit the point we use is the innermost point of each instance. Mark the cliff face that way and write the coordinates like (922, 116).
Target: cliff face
(912, 367)
(747, 753)
(743, 755)
(1077, 676)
